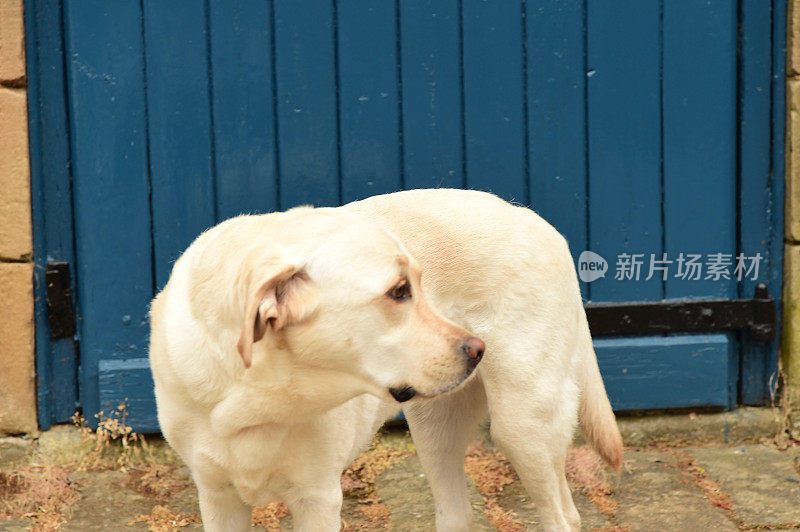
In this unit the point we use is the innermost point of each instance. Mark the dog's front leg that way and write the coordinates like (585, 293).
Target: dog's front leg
(222, 509)
(318, 510)
(442, 428)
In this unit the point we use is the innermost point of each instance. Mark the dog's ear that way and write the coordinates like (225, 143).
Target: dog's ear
(275, 299)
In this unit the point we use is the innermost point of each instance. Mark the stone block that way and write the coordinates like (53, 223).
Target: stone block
(792, 203)
(17, 379)
(12, 41)
(790, 343)
(793, 39)
(15, 200)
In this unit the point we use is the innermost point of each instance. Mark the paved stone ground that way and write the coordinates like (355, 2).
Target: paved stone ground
(680, 484)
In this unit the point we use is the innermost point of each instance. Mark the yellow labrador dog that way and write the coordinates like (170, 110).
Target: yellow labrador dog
(282, 342)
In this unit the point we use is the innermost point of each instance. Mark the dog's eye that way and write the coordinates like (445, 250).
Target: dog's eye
(401, 292)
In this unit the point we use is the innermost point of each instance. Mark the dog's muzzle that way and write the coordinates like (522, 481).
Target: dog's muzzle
(401, 395)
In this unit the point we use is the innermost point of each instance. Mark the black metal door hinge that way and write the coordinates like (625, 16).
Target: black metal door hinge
(757, 315)
(60, 312)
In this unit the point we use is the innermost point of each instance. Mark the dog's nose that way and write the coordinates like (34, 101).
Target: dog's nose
(473, 348)
(401, 395)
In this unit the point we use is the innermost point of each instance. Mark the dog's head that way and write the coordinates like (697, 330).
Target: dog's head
(350, 301)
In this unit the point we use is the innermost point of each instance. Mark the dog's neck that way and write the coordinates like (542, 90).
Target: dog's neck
(277, 389)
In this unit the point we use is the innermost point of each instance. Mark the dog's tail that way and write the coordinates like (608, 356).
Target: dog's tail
(595, 416)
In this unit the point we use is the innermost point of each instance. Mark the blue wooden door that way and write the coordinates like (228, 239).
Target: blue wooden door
(643, 131)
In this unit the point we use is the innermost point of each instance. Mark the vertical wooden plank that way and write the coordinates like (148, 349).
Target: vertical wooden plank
(757, 194)
(755, 190)
(699, 149)
(700, 140)
(368, 98)
(56, 361)
(624, 142)
(244, 126)
(307, 104)
(778, 160)
(110, 186)
(179, 128)
(776, 235)
(556, 117)
(431, 77)
(494, 115)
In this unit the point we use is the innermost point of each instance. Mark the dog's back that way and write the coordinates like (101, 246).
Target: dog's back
(487, 262)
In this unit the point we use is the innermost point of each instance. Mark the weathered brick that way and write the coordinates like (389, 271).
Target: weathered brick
(15, 200)
(17, 389)
(12, 41)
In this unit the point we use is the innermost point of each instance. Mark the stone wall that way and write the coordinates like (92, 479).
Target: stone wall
(17, 378)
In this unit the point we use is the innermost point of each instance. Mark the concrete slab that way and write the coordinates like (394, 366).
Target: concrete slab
(653, 494)
(746, 424)
(15, 525)
(515, 498)
(761, 482)
(15, 451)
(106, 504)
(404, 489)
(61, 444)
